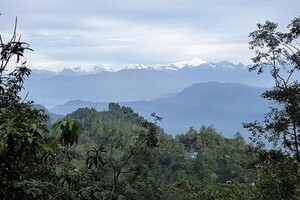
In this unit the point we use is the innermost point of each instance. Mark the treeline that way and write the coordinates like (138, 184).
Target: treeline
(181, 167)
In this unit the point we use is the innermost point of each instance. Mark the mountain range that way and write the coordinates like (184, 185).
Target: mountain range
(223, 105)
(80, 70)
(134, 82)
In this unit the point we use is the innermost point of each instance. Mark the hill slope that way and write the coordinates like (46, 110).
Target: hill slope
(224, 105)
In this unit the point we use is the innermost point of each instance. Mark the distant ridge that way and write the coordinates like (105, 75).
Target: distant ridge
(81, 70)
(140, 82)
(224, 105)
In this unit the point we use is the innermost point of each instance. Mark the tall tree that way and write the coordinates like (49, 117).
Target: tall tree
(29, 155)
(280, 53)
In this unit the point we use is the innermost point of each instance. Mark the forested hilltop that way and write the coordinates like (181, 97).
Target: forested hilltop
(183, 167)
(117, 154)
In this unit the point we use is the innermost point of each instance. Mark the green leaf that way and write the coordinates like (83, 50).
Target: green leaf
(58, 171)
(34, 126)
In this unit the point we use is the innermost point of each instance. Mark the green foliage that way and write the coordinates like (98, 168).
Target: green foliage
(278, 168)
(22, 132)
(94, 157)
(32, 164)
(193, 165)
(278, 177)
(121, 156)
(67, 130)
(129, 159)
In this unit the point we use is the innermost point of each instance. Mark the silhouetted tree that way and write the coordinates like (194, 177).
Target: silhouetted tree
(280, 53)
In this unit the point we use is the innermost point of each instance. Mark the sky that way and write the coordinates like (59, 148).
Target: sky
(71, 33)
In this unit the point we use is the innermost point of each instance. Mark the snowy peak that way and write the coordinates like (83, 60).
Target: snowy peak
(101, 68)
(195, 62)
(79, 70)
(72, 71)
(41, 74)
(137, 66)
(76, 71)
(226, 64)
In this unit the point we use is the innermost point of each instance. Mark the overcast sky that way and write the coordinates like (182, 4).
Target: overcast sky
(90, 32)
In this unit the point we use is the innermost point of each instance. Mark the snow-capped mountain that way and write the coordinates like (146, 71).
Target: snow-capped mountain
(41, 74)
(138, 82)
(72, 71)
(101, 68)
(76, 71)
(227, 64)
(195, 62)
(188, 64)
(138, 66)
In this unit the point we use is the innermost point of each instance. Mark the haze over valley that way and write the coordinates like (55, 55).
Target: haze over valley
(184, 94)
(132, 84)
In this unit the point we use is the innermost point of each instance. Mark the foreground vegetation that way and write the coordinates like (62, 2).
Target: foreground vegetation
(116, 154)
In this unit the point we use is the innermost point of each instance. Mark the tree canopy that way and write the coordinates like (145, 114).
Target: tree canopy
(279, 52)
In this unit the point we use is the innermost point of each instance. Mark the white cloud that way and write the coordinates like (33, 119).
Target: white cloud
(39, 62)
(123, 32)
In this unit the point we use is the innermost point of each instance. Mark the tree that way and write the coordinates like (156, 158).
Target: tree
(30, 158)
(280, 53)
(122, 157)
(278, 169)
(67, 130)
(21, 128)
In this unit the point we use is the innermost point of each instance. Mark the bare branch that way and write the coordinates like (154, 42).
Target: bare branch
(13, 38)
